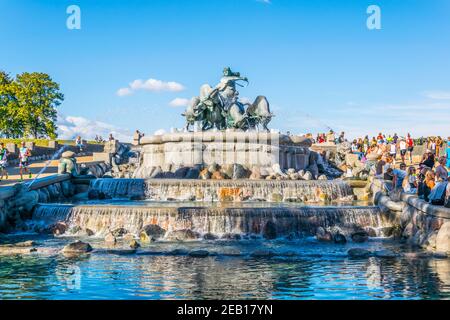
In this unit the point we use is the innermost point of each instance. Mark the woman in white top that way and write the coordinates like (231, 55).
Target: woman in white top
(403, 148)
(393, 151)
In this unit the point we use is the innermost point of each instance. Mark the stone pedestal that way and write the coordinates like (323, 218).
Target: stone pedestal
(245, 148)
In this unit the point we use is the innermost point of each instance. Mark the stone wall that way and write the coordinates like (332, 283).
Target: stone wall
(17, 202)
(422, 224)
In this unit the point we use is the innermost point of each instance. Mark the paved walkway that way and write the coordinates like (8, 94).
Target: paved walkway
(35, 167)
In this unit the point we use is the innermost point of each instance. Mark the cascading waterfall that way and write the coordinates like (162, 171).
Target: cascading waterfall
(215, 220)
(120, 188)
(224, 190)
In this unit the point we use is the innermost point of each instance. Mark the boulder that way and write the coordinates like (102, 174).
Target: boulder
(77, 247)
(358, 253)
(24, 201)
(205, 174)
(323, 235)
(276, 169)
(256, 173)
(339, 238)
(24, 244)
(294, 176)
(178, 252)
(199, 253)
(360, 236)
(239, 172)
(151, 232)
(182, 235)
(213, 168)
(134, 244)
(370, 232)
(264, 171)
(217, 175)
(308, 176)
(231, 236)
(443, 238)
(110, 239)
(322, 177)
(119, 232)
(210, 236)
(89, 232)
(59, 228)
(227, 171)
(440, 255)
(270, 230)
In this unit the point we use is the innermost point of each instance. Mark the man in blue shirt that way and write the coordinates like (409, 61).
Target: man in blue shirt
(399, 176)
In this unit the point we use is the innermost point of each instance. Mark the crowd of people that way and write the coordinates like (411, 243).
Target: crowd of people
(429, 180)
(427, 176)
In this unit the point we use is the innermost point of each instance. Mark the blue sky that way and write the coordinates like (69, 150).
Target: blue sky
(316, 61)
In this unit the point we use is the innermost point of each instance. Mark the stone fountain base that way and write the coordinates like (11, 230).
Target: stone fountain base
(171, 152)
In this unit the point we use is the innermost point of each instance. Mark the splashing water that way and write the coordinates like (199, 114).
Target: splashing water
(55, 156)
(224, 190)
(215, 220)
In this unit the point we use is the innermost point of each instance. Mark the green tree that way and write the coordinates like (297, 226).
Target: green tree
(10, 126)
(37, 97)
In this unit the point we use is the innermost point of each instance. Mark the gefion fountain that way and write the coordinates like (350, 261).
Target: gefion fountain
(229, 177)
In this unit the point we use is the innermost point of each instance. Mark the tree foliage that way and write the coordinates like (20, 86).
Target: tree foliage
(28, 105)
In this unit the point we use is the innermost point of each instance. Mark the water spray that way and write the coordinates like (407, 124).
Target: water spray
(54, 157)
(318, 121)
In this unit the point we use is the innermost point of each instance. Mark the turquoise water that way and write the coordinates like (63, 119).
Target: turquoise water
(300, 269)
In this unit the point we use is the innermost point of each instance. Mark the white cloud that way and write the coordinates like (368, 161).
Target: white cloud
(124, 92)
(265, 1)
(438, 95)
(69, 127)
(179, 102)
(152, 85)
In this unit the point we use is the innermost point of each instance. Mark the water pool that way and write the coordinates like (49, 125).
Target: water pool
(300, 269)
